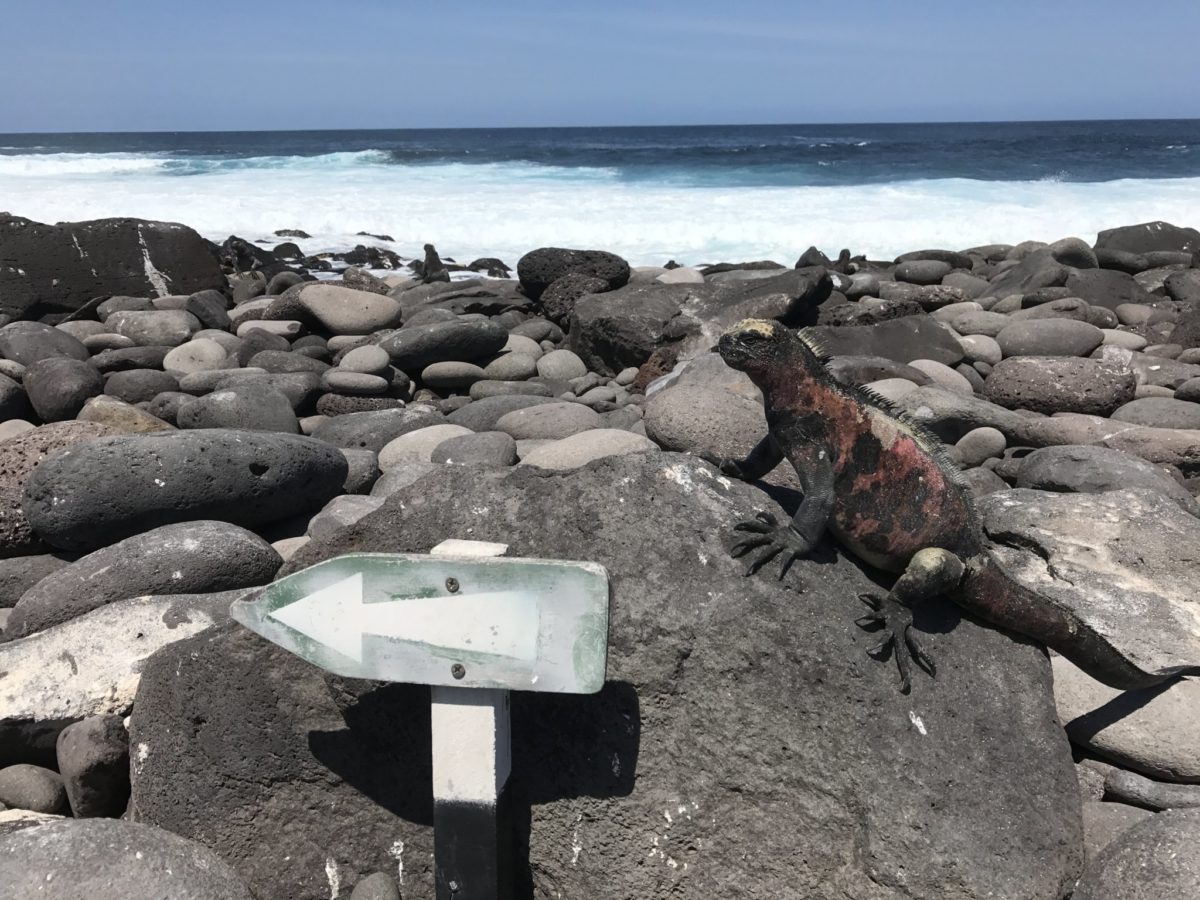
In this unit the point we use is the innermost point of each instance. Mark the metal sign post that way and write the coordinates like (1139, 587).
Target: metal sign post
(473, 626)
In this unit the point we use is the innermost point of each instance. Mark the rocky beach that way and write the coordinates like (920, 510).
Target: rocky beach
(183, 422)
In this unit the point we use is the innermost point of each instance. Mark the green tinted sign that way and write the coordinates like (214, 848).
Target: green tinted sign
(518, 624)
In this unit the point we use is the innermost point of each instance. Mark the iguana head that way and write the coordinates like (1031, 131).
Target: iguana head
(758, 346)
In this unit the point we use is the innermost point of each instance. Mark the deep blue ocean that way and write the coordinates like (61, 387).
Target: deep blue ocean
(696, 194)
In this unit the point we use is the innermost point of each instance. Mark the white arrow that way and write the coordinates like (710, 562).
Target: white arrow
(501, 623)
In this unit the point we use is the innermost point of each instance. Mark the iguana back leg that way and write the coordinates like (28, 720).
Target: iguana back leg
(930, 572)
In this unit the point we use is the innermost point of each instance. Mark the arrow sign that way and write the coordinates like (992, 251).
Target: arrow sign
(519, 624)
(338, 617)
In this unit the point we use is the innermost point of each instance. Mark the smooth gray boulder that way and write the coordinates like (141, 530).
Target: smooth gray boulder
(461, 340)
(374, 429)
(1152, 730)
(184, 558)
(244, 740)
(1050, 384)
(250, 407)
(107, 859)
(1092, 470)
(102, 491)
(1158, 859)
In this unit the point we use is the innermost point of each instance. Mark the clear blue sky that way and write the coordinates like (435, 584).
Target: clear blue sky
(122, 65)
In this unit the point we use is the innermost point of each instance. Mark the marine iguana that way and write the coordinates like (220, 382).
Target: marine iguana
(887, 490)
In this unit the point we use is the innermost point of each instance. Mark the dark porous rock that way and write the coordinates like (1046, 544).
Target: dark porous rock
(1049, 337)
(1103, 823)
(482, 415)
(19, 456)
(923, 271)
(93, 757)
(1038, 536)
(185, 558)
(59, 268)
(540, 268)
(1060, 384)
(249, 407)
(18, 574)
(704, 420)
(375, 429)
(1038, 269)
(108, 859)
(1158, 859)
(780, 808)
(488, 448)
(1092, 470)
(1107, 288)
(102, 491)
(34, 788)
(126, 358)
(868, 311)
(345, 404)
(902, 340)
(558, 299)
(1148, 237)
(59, 387)
(929, 296)
(1159, 412)
(28, 342)
(139, 385)
(462, 340)
(860, 370)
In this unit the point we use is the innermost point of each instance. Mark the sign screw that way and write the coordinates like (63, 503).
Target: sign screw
(452, 585)
(458, 670)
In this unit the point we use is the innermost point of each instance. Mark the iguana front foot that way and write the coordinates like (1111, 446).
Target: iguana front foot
(766, 532)
(894, 619)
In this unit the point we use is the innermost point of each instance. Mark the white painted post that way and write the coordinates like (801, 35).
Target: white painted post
(472, 759)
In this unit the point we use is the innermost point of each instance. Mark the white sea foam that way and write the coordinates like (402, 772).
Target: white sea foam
(506, 209)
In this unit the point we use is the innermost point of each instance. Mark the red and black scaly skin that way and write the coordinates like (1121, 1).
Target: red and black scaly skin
(884, 486)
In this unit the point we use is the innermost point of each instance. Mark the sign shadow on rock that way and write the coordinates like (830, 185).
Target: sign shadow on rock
(563, 746)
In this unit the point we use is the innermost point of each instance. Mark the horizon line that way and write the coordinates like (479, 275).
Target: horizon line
(586, 127)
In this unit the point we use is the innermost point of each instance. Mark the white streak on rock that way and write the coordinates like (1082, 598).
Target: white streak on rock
(396, 852)
(335, 881)
(917, 723)
(157, 279)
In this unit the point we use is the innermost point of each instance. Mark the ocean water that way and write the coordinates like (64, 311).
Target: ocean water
(693, 194)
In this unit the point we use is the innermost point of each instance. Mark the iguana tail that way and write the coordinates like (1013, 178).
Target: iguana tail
(989, 591)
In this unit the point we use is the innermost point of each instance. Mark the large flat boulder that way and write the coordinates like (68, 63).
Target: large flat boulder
(51, 269)
(89, 666)
(1124, 561)
(745, 743)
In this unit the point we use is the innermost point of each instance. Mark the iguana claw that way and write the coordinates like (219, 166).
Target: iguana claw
(766, 532)
(895, 621)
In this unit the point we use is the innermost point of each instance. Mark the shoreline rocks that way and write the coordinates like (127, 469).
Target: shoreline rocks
(167, 442)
